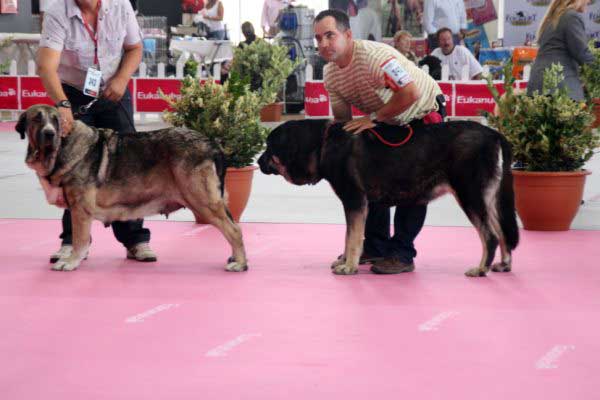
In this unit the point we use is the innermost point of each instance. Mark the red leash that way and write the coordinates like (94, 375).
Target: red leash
(382, 140)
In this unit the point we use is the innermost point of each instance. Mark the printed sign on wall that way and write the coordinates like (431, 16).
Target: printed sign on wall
(523, 17)
(9, 6)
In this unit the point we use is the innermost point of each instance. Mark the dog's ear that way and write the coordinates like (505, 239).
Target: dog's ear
(21, 126)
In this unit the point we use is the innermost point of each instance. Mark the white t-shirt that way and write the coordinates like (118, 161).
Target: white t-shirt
(459, 57)
(439, 14)
(366, 23)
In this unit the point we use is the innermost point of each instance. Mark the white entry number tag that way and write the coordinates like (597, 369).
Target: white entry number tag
(395, 75)
(92, 82)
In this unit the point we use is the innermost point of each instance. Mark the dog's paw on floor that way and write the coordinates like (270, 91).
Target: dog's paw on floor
(236, 267)
(65, 265)
(476, 272)
(343, 269)
(501, 267)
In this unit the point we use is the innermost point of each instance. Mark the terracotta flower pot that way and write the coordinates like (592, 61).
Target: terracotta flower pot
(548, 201)
(596, 111)
(238, 185)
(271, 112)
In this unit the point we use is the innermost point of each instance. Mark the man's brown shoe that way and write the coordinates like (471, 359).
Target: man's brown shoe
(391, 265)
(365, 259)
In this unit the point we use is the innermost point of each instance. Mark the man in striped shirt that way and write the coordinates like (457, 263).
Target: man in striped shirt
(385, 85)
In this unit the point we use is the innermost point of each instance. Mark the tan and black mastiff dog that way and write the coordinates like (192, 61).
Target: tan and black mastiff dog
(112, 177)
(465, 158)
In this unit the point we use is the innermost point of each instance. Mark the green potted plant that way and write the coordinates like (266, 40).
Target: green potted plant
(228, 116)
(590, 75)
(5, 43)
(267, 67)
(551, 140)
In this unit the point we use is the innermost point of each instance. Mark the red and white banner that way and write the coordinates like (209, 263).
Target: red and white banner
(463, 99)
(32, 92)
(21, 92)
(147, 95)
(473, 98)
(316, 100)
(9, 93)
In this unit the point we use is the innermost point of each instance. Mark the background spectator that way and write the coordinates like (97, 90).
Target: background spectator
(438, 14)
(563, 40)
(456, 56)
(402, 41)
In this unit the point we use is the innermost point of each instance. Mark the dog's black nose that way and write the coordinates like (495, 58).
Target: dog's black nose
(48, 134)
(264, 165)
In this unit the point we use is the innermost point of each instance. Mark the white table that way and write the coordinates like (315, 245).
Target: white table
(211, 51)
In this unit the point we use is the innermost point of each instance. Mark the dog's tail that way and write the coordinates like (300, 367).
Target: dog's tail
(506, 199)
(221, 166)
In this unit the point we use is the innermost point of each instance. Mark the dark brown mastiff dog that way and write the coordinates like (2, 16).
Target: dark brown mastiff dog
(464, 158)
(112, 177)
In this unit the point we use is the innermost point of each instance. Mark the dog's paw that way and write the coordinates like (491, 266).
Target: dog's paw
(501, 267)
(476, 272)
(338, 261)
(236, 267)
(65, 265)
(343, 269)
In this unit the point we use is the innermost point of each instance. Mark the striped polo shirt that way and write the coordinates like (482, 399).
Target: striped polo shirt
(362, 83)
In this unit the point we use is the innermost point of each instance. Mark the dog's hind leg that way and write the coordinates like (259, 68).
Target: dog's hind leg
(206, 200)
(82, 223)
(220, 218)
(474, 207)
(489, 244)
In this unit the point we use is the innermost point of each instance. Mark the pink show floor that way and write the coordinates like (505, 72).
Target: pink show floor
(183, 328)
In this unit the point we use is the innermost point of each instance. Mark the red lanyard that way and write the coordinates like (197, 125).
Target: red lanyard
(93, 35)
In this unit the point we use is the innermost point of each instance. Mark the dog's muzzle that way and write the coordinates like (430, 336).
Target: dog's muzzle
(266, 167)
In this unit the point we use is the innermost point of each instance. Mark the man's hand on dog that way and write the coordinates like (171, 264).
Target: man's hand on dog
(115, 89)
(66, 120)
(358, 125)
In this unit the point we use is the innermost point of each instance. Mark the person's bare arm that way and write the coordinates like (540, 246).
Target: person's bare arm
(402, 99)
(47, 69)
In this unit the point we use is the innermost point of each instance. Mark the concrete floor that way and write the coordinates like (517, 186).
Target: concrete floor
(272, 200)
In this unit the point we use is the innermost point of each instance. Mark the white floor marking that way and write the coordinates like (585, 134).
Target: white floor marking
(197, 230)
(434, 323)
(147, 314)
(550, 359)
(222, 350)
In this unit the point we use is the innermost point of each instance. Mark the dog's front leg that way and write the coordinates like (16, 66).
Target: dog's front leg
(82, 223)
(355, 232)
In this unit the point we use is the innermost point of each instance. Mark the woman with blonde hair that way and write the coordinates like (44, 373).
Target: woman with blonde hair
(402, 40)
(562, 39)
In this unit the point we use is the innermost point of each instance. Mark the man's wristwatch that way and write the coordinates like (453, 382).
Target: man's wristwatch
(63, 104)
(373, 117)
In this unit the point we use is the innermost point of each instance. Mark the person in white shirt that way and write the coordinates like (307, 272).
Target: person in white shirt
(439, 14)
(270, 16)
(366, 25)
(456, 57)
